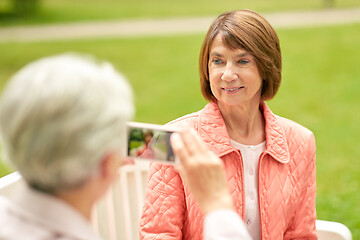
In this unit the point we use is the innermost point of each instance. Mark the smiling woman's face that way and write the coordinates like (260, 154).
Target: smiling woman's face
(234, 76)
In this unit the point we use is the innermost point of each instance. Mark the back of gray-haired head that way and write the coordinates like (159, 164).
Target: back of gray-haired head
(60, 115)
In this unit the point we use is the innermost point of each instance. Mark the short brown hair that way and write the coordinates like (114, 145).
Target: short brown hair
(247, 30)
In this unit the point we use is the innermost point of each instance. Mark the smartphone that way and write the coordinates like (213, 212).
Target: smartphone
(150, 142)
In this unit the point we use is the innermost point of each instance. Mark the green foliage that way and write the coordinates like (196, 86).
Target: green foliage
(64, 11)
(319, 90)
(136, 134)
(18, 11)
(25, 7)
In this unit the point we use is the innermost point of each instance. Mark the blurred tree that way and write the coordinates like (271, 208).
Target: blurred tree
(136, 134)
(329, 3)
(25, 7)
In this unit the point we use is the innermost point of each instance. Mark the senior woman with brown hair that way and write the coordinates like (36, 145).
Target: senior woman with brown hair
(269, 160)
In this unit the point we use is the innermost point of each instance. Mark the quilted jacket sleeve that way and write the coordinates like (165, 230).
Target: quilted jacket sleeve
(303, 221)
(164, 206)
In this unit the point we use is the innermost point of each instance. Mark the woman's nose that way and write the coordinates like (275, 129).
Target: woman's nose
(229, 74)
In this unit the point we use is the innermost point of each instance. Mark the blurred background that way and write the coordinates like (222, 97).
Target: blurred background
(321, 73)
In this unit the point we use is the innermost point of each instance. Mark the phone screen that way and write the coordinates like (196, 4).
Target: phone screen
(150, 142)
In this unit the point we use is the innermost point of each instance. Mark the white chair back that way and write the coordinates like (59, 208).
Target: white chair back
(118, 215)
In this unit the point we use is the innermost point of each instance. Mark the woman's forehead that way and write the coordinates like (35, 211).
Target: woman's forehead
(219, 45)
(227, 41)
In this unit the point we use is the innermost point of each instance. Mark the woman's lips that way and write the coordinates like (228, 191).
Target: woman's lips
(232, 90)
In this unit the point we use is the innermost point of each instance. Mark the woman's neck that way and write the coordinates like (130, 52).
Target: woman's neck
(80, 200)
(245, 123)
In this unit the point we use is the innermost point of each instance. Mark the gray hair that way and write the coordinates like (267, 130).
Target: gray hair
(60, 116)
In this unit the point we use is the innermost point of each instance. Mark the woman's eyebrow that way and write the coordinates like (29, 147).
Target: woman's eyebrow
(216, 54)
(243, 54)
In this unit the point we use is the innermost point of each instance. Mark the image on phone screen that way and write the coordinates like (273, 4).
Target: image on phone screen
(150, 142)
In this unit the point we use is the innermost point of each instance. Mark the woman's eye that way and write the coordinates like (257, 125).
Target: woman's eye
(244, 61)
(216, 61)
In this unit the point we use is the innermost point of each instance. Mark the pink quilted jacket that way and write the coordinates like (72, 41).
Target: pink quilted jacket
(286, 182)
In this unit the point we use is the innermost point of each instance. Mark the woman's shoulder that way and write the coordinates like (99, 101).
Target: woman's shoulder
(187, 121)
(280, 124)
(292, 127)
(297, 135)
(300, 141)
(210, 111)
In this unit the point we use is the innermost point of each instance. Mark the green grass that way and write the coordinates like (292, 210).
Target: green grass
(320, 90)
(156, 67)
(65, 11)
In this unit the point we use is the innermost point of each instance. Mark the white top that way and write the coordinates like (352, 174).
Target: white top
(250, 155)
(224, 225)
(33, 215)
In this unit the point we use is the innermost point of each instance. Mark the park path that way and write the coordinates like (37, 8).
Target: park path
(169, 26)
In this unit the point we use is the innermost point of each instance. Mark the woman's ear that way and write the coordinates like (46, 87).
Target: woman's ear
(110, 165)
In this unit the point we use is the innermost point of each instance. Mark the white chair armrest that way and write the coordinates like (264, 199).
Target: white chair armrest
(328, 230)
(9, 182)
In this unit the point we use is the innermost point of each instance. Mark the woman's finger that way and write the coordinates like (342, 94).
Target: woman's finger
(199, 143)
(179, 148)
(190, 142)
